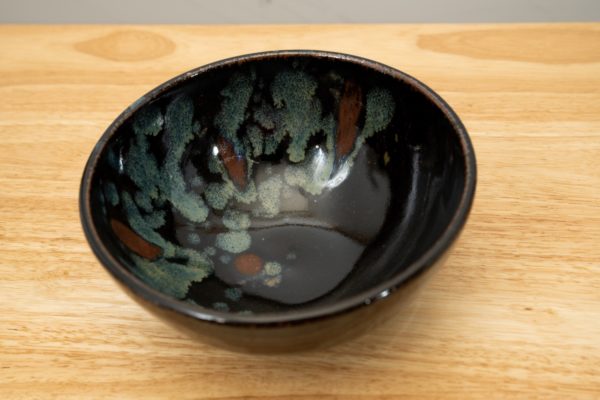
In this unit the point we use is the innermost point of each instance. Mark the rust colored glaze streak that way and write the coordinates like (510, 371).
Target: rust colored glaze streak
(349, 111)
(235, 165)
(134, 242)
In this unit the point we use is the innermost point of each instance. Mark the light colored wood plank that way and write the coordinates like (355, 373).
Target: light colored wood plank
(514, 313)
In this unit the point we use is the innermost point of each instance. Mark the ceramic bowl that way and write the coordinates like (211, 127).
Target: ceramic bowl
(278, 201)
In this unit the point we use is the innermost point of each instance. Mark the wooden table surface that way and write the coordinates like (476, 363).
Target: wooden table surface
(515, 312)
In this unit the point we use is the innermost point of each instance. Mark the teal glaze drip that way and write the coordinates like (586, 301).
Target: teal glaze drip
(265, 116)
(299, 111)
(155, 219)
(178, 133)
(167, 277)
(143, 226)
(218, 194)
(198, 260)
(111, 193)
(148, 121)
(379, 111)
(255, 136)
(272, 141)
(236, 96)
(144, 201)
(140, 164)
(176, 276)
(140, 225)
(166, 182)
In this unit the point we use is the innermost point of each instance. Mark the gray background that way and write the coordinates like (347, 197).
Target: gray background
(295, 11)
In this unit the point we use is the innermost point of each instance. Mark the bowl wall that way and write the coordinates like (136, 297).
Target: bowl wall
(276, 190)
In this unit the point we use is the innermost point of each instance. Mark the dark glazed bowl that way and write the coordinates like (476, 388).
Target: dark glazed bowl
(278, 201)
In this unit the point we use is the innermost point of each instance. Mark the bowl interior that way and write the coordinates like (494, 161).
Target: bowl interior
(276, 183)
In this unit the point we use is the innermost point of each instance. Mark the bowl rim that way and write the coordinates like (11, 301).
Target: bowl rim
(380, 292)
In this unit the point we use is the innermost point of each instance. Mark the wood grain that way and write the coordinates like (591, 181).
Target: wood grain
(514, 313)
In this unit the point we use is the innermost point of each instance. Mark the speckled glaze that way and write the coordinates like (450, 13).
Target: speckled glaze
(278, 191)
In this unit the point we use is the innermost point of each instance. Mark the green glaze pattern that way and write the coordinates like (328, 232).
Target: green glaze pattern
(203, 171)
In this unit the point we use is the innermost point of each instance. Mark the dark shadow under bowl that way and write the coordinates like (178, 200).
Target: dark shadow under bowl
(248, 198)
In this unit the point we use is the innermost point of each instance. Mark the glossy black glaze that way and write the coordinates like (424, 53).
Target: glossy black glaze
(346, 248)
